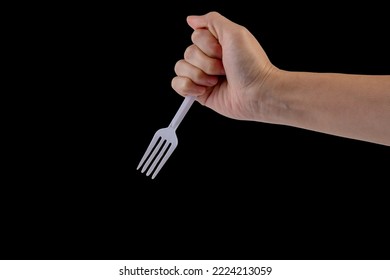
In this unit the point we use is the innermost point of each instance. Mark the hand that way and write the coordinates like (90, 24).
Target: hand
(226, 68)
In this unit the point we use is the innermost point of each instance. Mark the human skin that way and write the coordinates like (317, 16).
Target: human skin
(228, 71)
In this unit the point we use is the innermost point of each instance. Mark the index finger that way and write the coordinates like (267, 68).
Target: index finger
(212, 21)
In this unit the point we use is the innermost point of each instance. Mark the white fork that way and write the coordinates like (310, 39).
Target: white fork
(164, 142)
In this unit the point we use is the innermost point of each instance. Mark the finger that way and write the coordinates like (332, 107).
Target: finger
(212, 21)
(184, 86)
(209, 65)
(207, 43)
(185, 69)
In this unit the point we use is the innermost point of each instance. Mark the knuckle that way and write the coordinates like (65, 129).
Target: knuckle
(213, 14)
(189, 52)
(186, 84)
(196, 35)
(176, 68)
(198, 75)
(212, 67)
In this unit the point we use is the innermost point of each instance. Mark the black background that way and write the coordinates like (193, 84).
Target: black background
(99, 86)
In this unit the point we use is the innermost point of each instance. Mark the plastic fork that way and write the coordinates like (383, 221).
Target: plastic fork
(164, 142)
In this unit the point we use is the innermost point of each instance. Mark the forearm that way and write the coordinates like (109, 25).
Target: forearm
(353, 106)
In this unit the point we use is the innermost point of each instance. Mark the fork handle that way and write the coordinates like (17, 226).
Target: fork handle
(184, 107)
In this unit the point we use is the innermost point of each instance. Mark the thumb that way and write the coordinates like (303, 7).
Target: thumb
(213, 21)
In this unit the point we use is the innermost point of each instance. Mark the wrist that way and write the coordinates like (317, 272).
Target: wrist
(273, 98)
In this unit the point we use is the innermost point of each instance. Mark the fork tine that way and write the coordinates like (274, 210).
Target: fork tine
(164, 142)
(148, 151)
(152, 152)
(164, 147)
(164, 159)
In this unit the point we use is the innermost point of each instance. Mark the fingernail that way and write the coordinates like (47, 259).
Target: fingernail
(212, 80)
